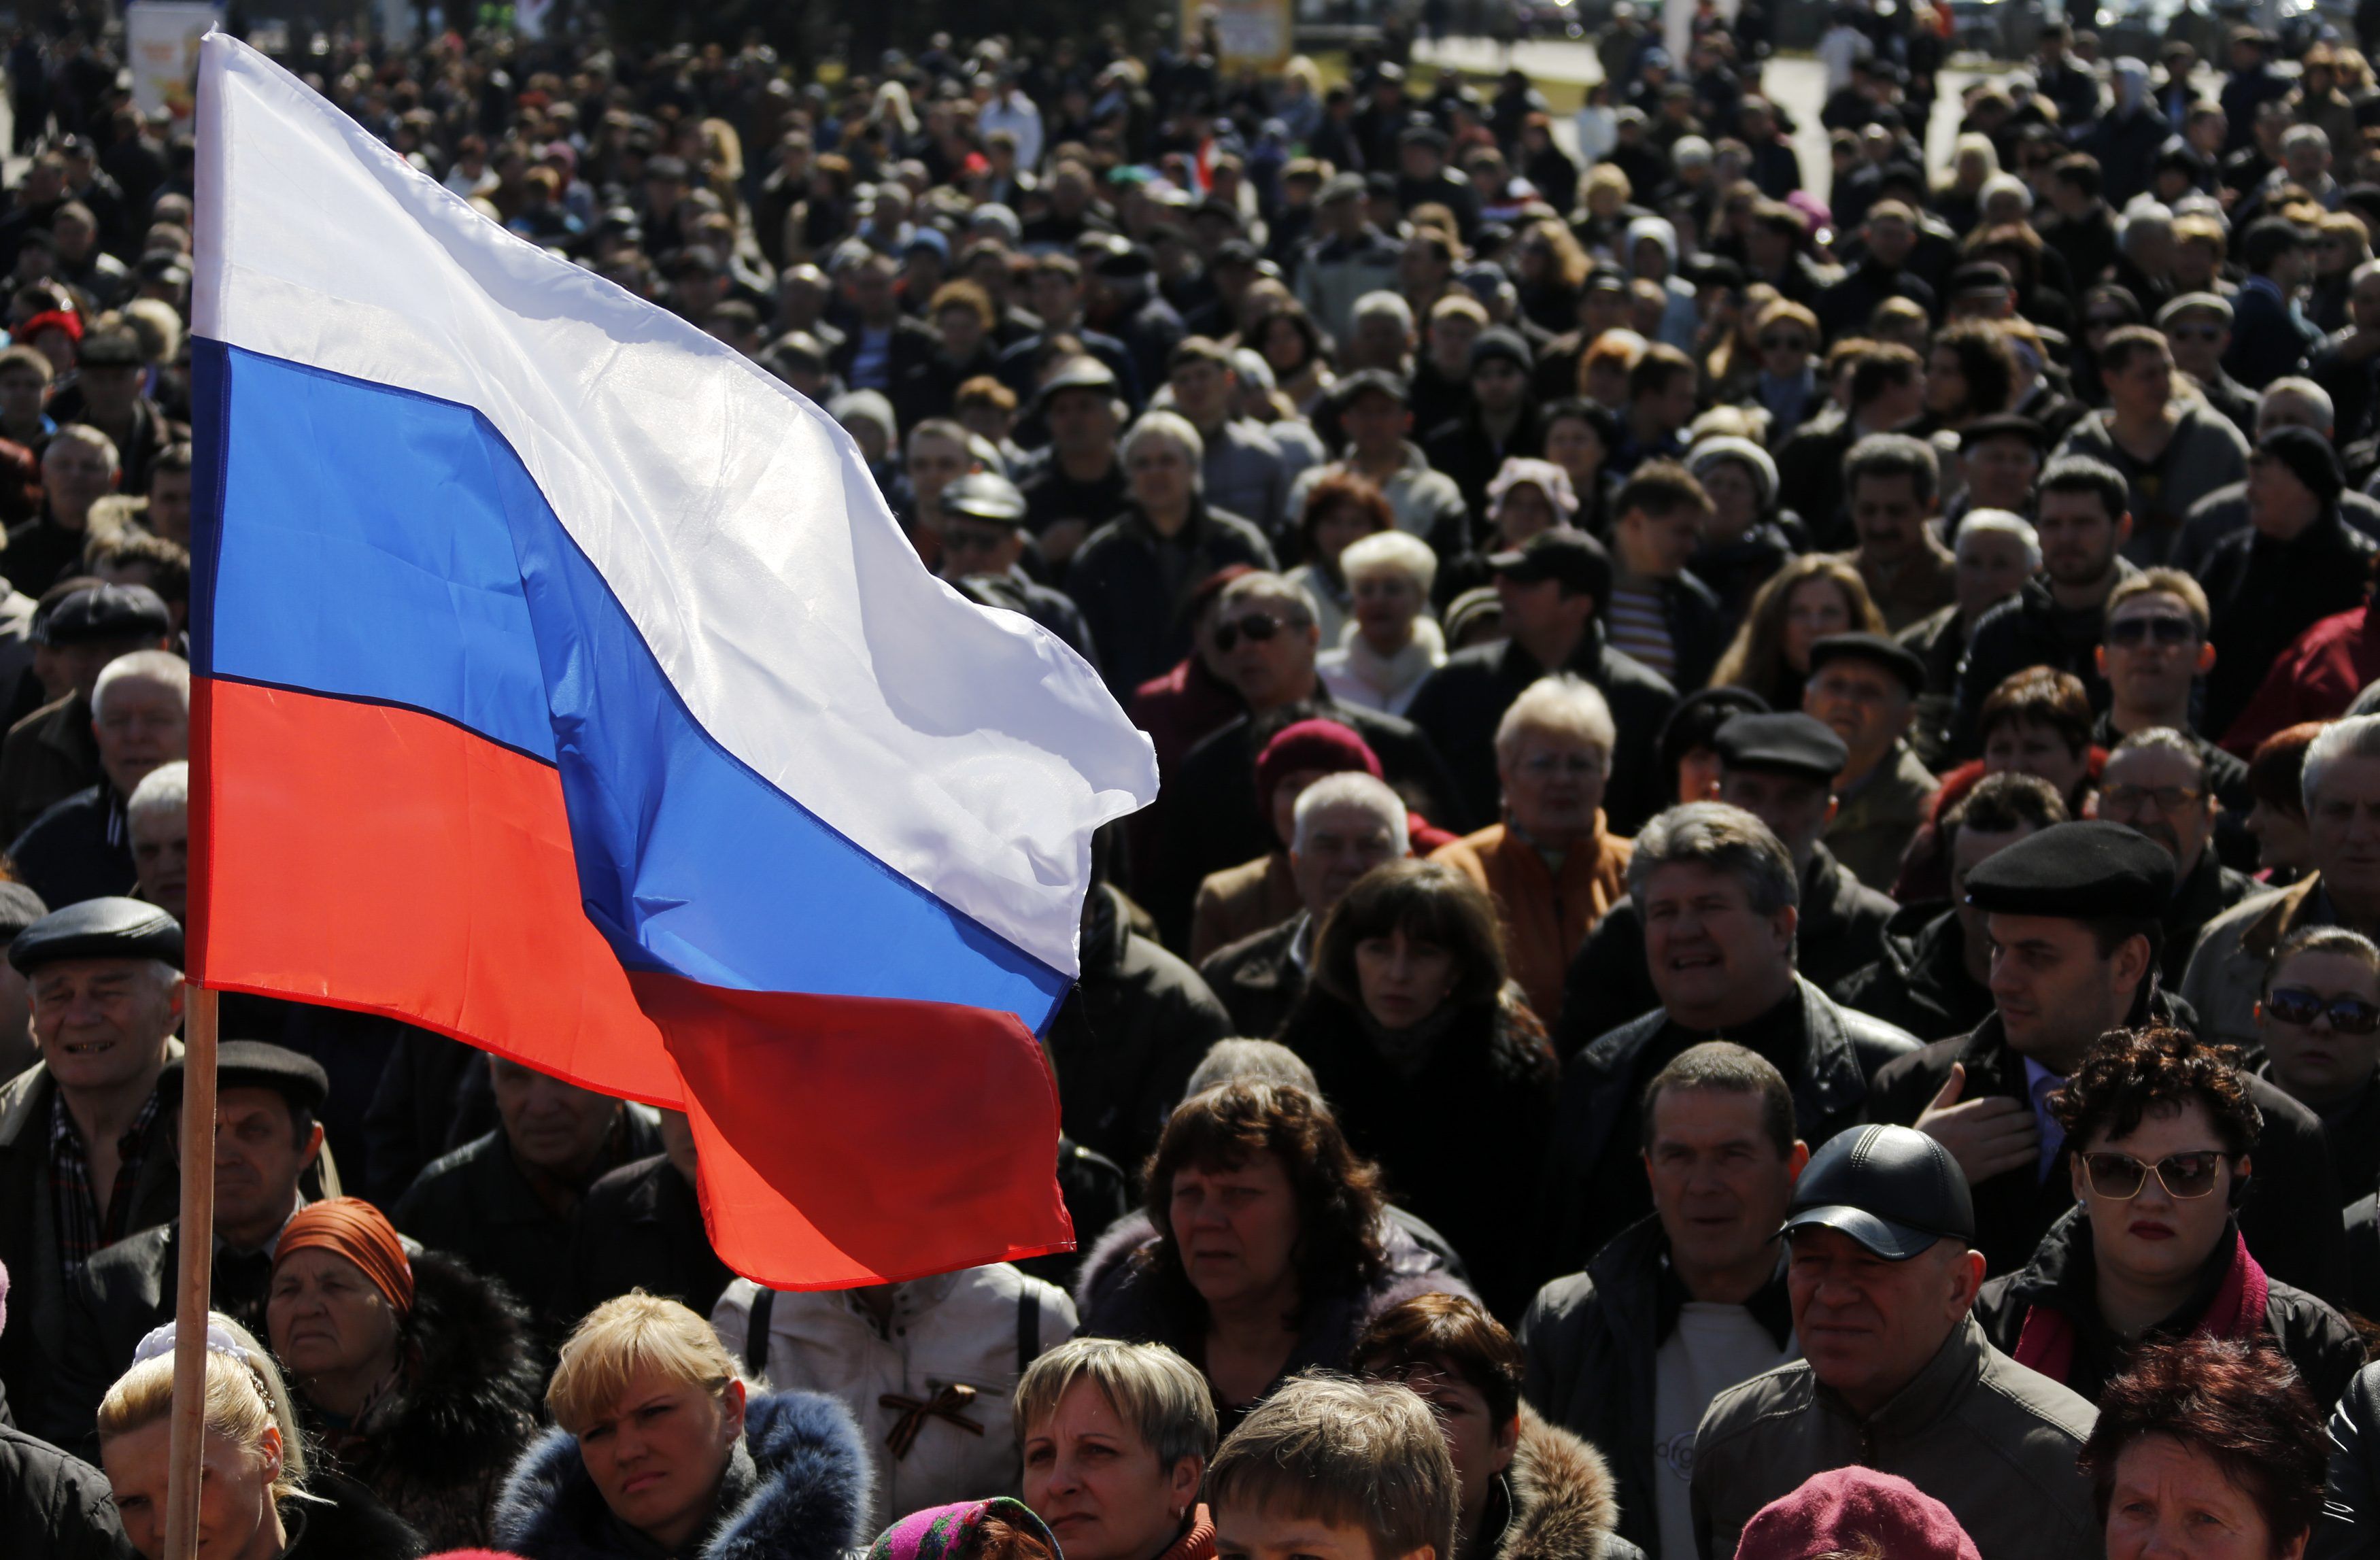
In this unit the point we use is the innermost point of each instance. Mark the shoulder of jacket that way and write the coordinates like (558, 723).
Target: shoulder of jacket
(1746, 1408)
(2050, 1405)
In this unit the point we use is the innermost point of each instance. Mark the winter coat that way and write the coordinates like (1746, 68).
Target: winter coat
(343, 1522)
(1994, 1442)
(56, 1506)
(47, 757)
(1556, 1501)
(1259, 979)
(1921, 982)
(2226, 974)
(1878, 817)
(2315, 679)
(1132, 585)
(2344, 1529)
(1242, 901)
(2209, 890)
(1546, 916)
(2028, 629)
(804, 1496)
(434, 1448)
(641, 1227)
(2262, 593)
(950, 1354)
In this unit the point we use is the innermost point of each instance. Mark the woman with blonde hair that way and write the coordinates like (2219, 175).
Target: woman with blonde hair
(661, 1447)
(256, 1500)
(1815, 595)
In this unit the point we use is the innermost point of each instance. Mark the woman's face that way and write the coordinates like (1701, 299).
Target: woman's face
(2312, 1056)
(2280, 837)
(1099, 1485)
(1402, 980)
(1236, 1230)
(1946, 383)
(2154, 1237)
(1338, 525)
(1387, 602)
(1814, 609)
(1480, 1444)
(1553, 785)
(1284, 346)
(657, 1454)
(2171, 1501)
(1574, 444)
(1735, 498)
(2030, 749)
(1523, 511)
(326, 1318)
(236, 1514)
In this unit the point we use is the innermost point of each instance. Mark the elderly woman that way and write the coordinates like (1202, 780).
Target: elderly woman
(1117, 1437)
(1266, 1250)
(1812, 597)
(2208, 1449)
(2163, 1131)
(1526, 497)
(1435, 1068)
(661, 1449)
(1340, 510)
(257, 1499)
(1745, 539)
(414, 1374)
(1391, 644)
(1549, 866)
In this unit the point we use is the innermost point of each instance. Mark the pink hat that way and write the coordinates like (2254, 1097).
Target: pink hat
(1844, 1508)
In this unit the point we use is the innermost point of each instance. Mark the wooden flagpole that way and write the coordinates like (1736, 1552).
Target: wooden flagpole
(193, 1284)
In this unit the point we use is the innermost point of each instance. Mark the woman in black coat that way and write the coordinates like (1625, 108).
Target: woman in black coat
(1435, 1068)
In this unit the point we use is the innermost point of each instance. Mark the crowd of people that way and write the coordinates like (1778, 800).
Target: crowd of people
(1758, 938)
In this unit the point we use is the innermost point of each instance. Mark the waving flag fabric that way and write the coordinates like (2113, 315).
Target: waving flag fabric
(564, 685)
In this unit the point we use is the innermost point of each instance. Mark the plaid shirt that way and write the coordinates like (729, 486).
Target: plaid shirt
(83, 1227)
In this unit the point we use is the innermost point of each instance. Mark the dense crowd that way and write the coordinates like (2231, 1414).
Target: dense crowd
(1758, 938)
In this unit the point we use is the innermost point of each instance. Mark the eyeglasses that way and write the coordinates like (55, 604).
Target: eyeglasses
(1784, 344)
(2296, 1005)
(1545, 766)
(1258, 627)
(2168, 799)
(2184, 1175)
(2166, 629)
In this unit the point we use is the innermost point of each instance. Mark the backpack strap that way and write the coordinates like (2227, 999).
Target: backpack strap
(756, 1332)
(1028, 1326)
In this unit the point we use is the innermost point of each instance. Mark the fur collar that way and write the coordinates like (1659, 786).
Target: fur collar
(812, 1496)
(1563, 1506)
(470, 1394)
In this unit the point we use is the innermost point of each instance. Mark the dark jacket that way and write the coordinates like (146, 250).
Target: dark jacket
(78, 848)
(2060, 1276)
(1459, 1137)
(1127, 1038)
(2209, 890)
(800, 1481)
(1459, 705)
(55, 1506)
(911, 345)
(2030, 630)
(1132, 585)
(343, 1522)
(1589, 1342)
(2354, 1136)
(1921, 982)
(641, 1227)
(2268, 338)
(47, 757)
(1257, 979)
(2288, 1216)
(2345, 1530)
(1595, 1184)
(1467, 452)
(1608, 983)
(1844, 309)
(2263, 593)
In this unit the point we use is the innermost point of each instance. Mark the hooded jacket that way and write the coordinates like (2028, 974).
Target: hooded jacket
(808, 1489)
(1921, 982)
(56, 1506)
(1556, 1501)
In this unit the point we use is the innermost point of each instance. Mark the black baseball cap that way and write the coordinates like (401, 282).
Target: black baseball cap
(1893, 1189)
(1879, 650)
(1573, 557)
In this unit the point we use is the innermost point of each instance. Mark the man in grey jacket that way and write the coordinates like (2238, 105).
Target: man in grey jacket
(1896, 1375)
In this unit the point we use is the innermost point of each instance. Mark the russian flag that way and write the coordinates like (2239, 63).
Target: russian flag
(564, 685)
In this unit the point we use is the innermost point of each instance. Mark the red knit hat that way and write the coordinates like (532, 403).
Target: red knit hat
(1310, 745)
(1845, 1508)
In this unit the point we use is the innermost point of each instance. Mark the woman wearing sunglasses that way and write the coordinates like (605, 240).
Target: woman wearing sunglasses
(2319, 1021)
(2161, 1126)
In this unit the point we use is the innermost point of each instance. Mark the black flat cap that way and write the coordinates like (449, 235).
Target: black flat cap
(1080, 373)
(105, 928)
(1790, 744)
(19, 907)
(1573, 557)
(985, 495)
(1879, 650)
(1378, 381)
(1501, 341)
(1893, 1189)
(2003, 425)
(253, 1063)
(107, 612)
(1129, 264)
(2086, 870)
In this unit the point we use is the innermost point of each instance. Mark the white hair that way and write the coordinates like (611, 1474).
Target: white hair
(2004, 184)
(1171, 425)
(1565, 704)
(1383, 303)
(2304, 135)
(1391, 552)
(1249, 364)
(2306, 390)
(2357, 736)
(166, 789)
(152, 665)
(2002, 522)
(1354, 789)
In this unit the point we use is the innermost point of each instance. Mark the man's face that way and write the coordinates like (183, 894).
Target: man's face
(1200, 390)
(2162, 794)
(1055, 296)
(962, 330)
(551, 1125)
(1160, 474)
(109, 390)
(161, 858)
(2199, 340)
(1890, 518)
(103, 1023)
(2078, 540)
(1376, 422)
(935, 463)
(22, 393)
(1704, 945)
(1863, 703)
(2000, 474)
(2307, 162)
(1421, 266)
(1498, 384)
(1868, 1326)
(145, 723)
(2144, 383)
(1275, 667)
(1720, 1185)
(1795, 807)
(973, 546)
(1889, 239)
(76, 474)
(1672, 405)
(169, 505)
(1660, 545)
(871, 291)
(1381, 343)
(259, 1156)
(2343, 828)
(1450, 336)
(1081, 421)
(1342, 842)
(2153, 651)
(2056, 993)
(1535, 608)
(1992, 568)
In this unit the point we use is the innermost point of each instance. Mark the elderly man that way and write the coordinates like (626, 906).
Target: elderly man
(1551, 866)
(983, 523)
(2157, 781)
(1864, 688)
(1683, 1304)
(502, 1203)
(1240, 472)
(1781, 769)
(2074, 913)
(1345, 825)
(1896, 1376)
(1079, 484)
(1719, 896)
(1376, 413)
(1997, 553)
(1258, 895)
(54, 752)
(80, 467)
(2285, 403)
(1891, 484)
(1554, 590)
(81, 849)
(2198, 327)
(85, 1144)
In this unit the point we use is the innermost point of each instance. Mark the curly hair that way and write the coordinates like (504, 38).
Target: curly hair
(1339, 1201)
(2239, 1402)
(2129, 1070)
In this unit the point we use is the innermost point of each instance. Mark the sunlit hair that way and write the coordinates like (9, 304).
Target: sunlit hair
(1565, 704)
(1155, 1391)
(1349, 1453)
(2126, 1073)
(1757, 658)
(623, 1337)
(244, 1398)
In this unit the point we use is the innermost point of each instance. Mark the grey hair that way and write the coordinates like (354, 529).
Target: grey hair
(2304, 135)
(1170, 425)
(166, 788)
(1239, 1060)
(1725, 839)
(1263, 586)
(1151, 1388)
(1391, 552)
(2367, 268)
(2004, 184)
(1564, 703)
(2002, 522)
(2357, 736)
(2306, 390)
(1373, 305)
(155, 665)
(1354, 788)
(2166, 739)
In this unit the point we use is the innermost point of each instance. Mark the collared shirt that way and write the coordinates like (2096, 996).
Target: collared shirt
(85, 1228)
(2041, 1083)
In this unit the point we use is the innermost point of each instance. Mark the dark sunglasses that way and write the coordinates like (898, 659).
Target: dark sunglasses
(1256, 625)
(2348, 1015)
(2183, 1175)
(2131, 631)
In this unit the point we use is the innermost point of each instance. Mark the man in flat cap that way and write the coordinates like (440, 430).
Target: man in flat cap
(1896, 1374)
(1864, 689)
(81, 847)
(54, 752)
(1078, 484)
(2076, 914)
(983, 535)
(1346, 258)
(86, 1155)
